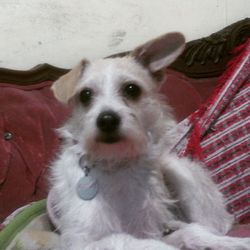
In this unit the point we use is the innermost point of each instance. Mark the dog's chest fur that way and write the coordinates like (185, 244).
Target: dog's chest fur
(130, 199)
(137, 198)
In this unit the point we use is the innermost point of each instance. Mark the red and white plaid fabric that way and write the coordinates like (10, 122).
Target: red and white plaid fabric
(219, 135)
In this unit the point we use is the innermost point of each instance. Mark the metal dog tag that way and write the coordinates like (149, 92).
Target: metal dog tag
(87, 188)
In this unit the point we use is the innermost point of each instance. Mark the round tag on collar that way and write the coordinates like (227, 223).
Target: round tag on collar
(87, 188)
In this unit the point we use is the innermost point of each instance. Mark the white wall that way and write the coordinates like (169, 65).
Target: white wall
(61, 32)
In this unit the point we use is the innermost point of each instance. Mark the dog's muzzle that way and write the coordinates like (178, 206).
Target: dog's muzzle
(108, 123)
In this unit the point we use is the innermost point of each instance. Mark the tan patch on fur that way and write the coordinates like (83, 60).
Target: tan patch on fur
(64, 87)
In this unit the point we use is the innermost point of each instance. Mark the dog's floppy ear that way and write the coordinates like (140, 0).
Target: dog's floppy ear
(160, 52)
(64, 87)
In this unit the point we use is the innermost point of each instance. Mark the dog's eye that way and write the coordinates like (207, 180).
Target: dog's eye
(86, 96)
(132, 91)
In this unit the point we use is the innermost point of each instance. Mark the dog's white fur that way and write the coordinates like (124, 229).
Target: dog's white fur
(142, 188)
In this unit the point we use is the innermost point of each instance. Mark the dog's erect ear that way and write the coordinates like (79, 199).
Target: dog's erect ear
(64, 87)
(160, 52)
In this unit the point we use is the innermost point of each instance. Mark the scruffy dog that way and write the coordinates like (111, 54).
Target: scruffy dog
(115, 185)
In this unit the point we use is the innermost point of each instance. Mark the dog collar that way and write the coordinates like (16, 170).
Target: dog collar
(87, 186)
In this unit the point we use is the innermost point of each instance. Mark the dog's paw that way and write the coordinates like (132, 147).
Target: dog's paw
(231, 243)
(197, 237)
(153, 245)
(97, 247)
(108, 243)
(127, 242)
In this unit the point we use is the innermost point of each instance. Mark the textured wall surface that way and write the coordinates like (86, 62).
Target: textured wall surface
(61, 32)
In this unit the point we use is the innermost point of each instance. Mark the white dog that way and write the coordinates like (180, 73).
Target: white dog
(114, 184)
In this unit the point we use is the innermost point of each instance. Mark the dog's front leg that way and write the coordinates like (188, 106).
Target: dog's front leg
(197, 237)
(199, 198)
(128, 242)
(78, 241)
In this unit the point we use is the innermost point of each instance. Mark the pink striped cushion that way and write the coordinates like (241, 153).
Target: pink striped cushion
(220, 135)
(226, 153)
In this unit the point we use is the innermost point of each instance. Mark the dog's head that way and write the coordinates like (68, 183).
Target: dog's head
(116, 109)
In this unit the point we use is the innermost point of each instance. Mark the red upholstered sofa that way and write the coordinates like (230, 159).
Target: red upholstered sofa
(29, 113)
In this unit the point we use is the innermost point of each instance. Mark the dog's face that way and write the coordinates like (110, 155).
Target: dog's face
(116, 109)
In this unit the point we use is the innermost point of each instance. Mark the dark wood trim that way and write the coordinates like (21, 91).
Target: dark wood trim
(208, 56)
(40, 73)
(205, 57)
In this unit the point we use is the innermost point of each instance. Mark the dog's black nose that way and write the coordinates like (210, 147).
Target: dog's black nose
(108, 121)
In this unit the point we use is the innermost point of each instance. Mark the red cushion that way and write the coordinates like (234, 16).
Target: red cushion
(28, 142)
